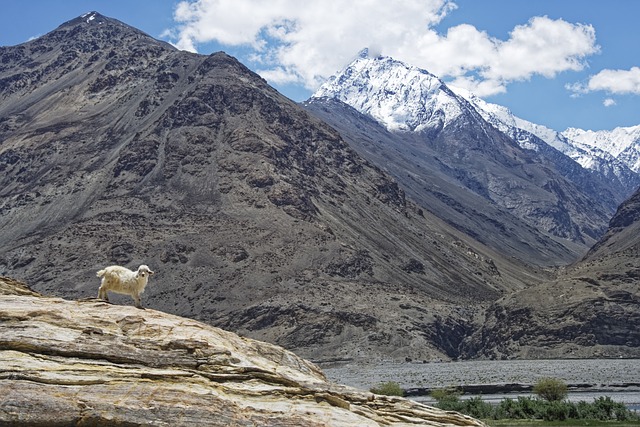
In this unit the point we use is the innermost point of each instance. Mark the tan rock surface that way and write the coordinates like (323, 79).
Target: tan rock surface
(92, 363)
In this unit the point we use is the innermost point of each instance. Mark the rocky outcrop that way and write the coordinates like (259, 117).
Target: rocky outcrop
(92, 363)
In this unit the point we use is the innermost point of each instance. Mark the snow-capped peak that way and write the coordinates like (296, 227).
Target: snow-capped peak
(623, 143)
(503, 119)
(597, 157)
(92, 18)
(407, 98)
(614, 141)
(397, 95)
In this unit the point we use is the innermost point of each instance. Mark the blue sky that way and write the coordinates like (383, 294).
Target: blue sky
(560, 63)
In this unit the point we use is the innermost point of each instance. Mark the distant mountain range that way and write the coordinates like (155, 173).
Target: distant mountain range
(501, 165)
(622, 143)
(255, 215)
(612, 154)
(390, 228)
(589, 310)
(404, 97)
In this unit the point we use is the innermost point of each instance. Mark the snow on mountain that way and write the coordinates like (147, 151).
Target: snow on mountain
(399, 96)
(623, 143)
(93, 16)
(502, 118)
(406, 98)
(589, 156)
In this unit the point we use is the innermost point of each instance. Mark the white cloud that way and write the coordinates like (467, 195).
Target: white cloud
(485, 65)
(612, 81)
(618, 82)
(479, 87)
(280, 75)
(544, 46)
(306, 42)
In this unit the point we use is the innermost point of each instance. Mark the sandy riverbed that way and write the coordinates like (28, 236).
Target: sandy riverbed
(597, 377)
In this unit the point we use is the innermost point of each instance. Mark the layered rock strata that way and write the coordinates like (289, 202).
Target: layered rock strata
(92, 363)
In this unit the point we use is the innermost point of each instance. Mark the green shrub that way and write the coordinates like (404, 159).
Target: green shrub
(602, 409)
(509, 409)
(606, 408)
(573, 411)
(556, 411)
(448, 399)
(585, 411)
(445, 394)
(623, 413)
(390, 388)
(549, 406)
(523, 408)
(551, 389)
(529, 407)
(477, 408)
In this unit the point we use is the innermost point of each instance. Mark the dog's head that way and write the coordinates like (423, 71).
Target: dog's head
(143, 270)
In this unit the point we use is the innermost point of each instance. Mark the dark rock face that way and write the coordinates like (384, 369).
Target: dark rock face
(591, 310)
(117, 148)
(622, 234)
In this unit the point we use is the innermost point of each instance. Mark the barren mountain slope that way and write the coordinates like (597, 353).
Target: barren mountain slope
(438, 188)
(589, 311)
(256, 216)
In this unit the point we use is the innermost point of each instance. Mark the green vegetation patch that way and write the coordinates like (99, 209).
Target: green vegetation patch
(551, 389)
(389, 388)
(550, 407)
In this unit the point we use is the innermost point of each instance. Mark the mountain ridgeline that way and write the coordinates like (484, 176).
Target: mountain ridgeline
(255, 216)
(534, 192)
(314, 227)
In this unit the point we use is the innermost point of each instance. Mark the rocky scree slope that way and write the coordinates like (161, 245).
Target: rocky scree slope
(591, 310)
(92, 363)
(255, 216)
(445, 133)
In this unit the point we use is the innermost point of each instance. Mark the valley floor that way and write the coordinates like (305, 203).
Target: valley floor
(586, 378)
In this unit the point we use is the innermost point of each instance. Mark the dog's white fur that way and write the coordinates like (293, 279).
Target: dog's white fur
(121, 280)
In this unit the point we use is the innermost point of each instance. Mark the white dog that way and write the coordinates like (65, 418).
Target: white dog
(121, 280)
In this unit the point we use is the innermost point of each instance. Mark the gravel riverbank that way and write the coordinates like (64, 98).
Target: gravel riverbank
(603, 376)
